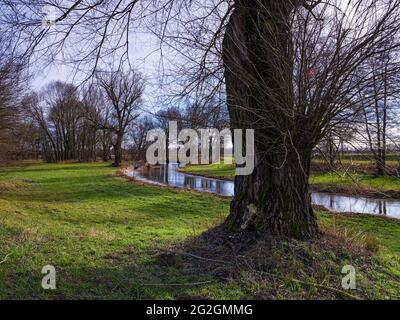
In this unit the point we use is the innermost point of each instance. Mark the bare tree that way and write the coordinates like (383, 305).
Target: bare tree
(164, 118)
(201, 113)
(381, 107)
(65, 133)
(34, 110)
(333, 146)
(12, 124)
(138, 135)
(64, 113)
(99, 116)
(123, 92)
(292, 71)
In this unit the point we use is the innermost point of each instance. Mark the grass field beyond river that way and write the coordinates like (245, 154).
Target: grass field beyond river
(341, 182)
(110, 238)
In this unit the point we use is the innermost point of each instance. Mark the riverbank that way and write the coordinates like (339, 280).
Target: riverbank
(113, 239)
(350, 183)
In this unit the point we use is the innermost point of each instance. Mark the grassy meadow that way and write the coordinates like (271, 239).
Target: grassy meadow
(110, 238)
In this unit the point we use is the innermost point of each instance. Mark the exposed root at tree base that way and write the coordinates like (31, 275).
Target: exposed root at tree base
(271, 268)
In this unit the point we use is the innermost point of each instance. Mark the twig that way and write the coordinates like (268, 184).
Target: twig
(205, 259)
(5, 258)
(320, 286)
(192, 284)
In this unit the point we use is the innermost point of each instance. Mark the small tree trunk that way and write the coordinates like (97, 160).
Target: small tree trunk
(380, 166)
(105, 153)
(105, 145)
(331, 151)
(118, 152)
(167, 151)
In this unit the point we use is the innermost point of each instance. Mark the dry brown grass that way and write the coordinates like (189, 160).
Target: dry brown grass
(274, 268)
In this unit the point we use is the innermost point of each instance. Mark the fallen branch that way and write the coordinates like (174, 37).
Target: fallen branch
(205, 259)
(320, 286)
(5, 258)
(192, 284)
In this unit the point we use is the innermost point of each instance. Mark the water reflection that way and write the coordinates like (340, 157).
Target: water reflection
(168, 175)
(342, 203)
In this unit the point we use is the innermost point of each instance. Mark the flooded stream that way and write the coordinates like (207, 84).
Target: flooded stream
(169, 176)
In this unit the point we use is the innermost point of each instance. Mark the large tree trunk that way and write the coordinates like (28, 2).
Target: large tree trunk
(275, 198)
(258, 62)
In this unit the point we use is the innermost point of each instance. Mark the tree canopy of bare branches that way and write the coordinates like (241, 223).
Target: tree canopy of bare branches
(123, 93)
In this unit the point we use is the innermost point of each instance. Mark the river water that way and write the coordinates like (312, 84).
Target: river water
(169, 176)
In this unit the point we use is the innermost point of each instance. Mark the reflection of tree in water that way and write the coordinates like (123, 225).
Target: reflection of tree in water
(331, 202)
(166, 174)
(382, 208)
(190, 182)
(341, 203)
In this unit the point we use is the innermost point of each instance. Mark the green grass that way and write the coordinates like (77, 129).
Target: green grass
(361, 180)
(218, 170)
(385, 231)
(340, 180)
(86, 222)
(357, 162)
(103, 234)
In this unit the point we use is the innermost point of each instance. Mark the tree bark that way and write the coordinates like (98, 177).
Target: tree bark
(258, 62)
(118, 152)
(275, 199)
(105, 146)
(105, 154)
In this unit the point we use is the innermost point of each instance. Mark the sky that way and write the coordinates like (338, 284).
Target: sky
(145, 57)
(144, 50)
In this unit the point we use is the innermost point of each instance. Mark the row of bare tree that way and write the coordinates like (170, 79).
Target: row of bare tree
(14, 131)
(64, 122)
(373, 128)
(79, 123)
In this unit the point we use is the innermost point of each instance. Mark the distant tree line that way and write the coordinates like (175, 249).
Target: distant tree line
(16, 138)
(103, 120)
(82, 124)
